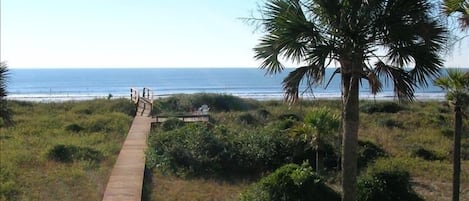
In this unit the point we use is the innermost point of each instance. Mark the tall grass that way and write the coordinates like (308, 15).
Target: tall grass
(31, 167)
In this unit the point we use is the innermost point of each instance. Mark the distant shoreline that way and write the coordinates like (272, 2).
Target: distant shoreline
(259, 97)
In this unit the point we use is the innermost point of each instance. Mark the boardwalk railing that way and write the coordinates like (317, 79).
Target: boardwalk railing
(148, 94)
(134, 95)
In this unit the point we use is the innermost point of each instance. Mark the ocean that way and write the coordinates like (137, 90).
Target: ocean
(47, 85)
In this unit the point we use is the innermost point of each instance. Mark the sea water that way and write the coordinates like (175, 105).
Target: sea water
(81, 84)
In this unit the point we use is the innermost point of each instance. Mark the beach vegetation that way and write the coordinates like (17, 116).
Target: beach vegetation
(185, 103)
(456, 83)
(55, 151)
(386, 186)
(44, 156)
(5, 112)
(460, 8)
(236, 155)
(390, 42)
(290, 182)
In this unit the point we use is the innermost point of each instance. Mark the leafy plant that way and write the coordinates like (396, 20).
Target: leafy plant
(290, 182)
(70, 153)
(368, 153)
(386, 186)
(382, 107)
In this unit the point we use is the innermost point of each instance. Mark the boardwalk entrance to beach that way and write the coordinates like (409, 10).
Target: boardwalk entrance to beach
(126, 180)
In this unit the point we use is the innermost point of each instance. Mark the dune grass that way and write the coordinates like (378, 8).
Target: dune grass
(65, 151)
(28, 172)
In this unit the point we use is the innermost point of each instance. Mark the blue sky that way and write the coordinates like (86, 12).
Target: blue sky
(135, 33)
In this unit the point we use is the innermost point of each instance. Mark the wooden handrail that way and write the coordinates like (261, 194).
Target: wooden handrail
(134, 95)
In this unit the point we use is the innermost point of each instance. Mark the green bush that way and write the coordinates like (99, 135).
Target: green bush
(383, 107)
(247, 118)
(70, 153)
(197, 149)
(8, 187)
(123, 106)
(368, 153)
(386, 186)
(284, 124)
(192, 149)
(184, 103)
(426, 154)
(171, 124)
(74, 128)
(290, 182)
(263, 114)
(447, 132)
(290, 116)
(390, 123)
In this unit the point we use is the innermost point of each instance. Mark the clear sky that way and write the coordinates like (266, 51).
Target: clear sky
(135, 33)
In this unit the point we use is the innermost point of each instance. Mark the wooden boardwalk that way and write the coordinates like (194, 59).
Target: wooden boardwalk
(126, 181)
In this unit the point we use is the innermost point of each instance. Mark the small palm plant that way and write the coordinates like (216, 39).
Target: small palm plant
(319, 126)
(5, 114)
(456, 83)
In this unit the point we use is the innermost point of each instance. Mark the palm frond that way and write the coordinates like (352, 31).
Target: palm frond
(402, 81)
(3, 80)
(373, 81)
(312, 75)
(456, 83)
(413, 38)
(289, 33)
(458, 7)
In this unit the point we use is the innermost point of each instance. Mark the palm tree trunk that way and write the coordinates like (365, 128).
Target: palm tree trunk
(350, 135)
(319, 158)
(457, 151)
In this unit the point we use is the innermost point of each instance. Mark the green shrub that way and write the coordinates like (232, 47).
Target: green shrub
(368, 153)
(290, 182)
(426, 154)
(247, 118)
(70, 153)
(73, 127)
(171, 124)
(447, 132)
(192, 149)
(284, 124)
(8, 187)
(184, 103)
(383, 107)
(124, 106)
(263, 114)
(386, 186)
(198, 149)
(390, 123)
(290, 116)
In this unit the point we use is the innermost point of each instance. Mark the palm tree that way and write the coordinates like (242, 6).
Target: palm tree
(5, 114)
(324, 123)
(457, 86)
(460, 8)
(398, 40)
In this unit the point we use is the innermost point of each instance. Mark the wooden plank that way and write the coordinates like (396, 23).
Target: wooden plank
(126, 181)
